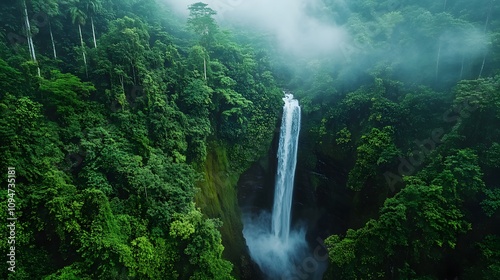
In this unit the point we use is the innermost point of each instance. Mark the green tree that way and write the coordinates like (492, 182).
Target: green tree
(200, 242)
(93, 7)
(201, 21)
(376, 149)
(79, 17)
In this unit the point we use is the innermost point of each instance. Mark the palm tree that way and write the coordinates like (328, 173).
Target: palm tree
(29, 35)
(78, 16)
(52, 40)
(51, 9)
(93, 6)
(28, 32)
(438, 57)
(485, 31)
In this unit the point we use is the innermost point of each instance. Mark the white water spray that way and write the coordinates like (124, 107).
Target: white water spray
(287, 161)
(274, 246)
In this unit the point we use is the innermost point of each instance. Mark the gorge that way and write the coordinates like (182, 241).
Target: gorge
(274, 245)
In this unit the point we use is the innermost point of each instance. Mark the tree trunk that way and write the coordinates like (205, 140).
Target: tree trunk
(28, 37)
(482, 66)
(488, 17)
(93, 31)
(205, 68)
(486, 28)
(80, 32)
(28, 34)
(83, 50)
(52, 39)
(133, 74)
(437, 61)
(122, 83)
(31, 46)
(462, 69)
(85, 62)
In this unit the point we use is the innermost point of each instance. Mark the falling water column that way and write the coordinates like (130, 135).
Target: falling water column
(287, 161)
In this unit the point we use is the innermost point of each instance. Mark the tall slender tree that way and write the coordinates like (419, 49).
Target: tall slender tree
(52, 40)
(79, 17)
(29, 35)
(485, 30)
(93, 7)
(438, 58)
(50, 8)
(201, 21)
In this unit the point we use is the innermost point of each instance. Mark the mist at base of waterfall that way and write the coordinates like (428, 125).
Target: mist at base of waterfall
(282, 259)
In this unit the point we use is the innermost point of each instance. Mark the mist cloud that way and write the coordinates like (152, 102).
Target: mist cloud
(290, 23)
(410, 43)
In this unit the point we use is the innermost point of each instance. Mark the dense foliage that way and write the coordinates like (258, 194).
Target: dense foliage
(436, 195)
(108, 111)
(416, 145)
(118, 115)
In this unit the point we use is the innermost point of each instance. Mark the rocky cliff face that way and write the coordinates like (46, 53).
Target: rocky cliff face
(217, 198)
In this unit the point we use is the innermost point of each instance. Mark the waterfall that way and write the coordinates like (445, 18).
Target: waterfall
(287, 161)
(281, 251)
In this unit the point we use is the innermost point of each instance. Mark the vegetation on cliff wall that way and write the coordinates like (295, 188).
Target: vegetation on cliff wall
(400, 140)
(112, 138)
(125, 128)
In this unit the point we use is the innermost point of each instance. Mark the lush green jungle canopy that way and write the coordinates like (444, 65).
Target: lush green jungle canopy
(110, 110)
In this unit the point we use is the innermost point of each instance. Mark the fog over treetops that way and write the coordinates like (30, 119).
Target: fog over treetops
(240, 139)
(429, 41)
